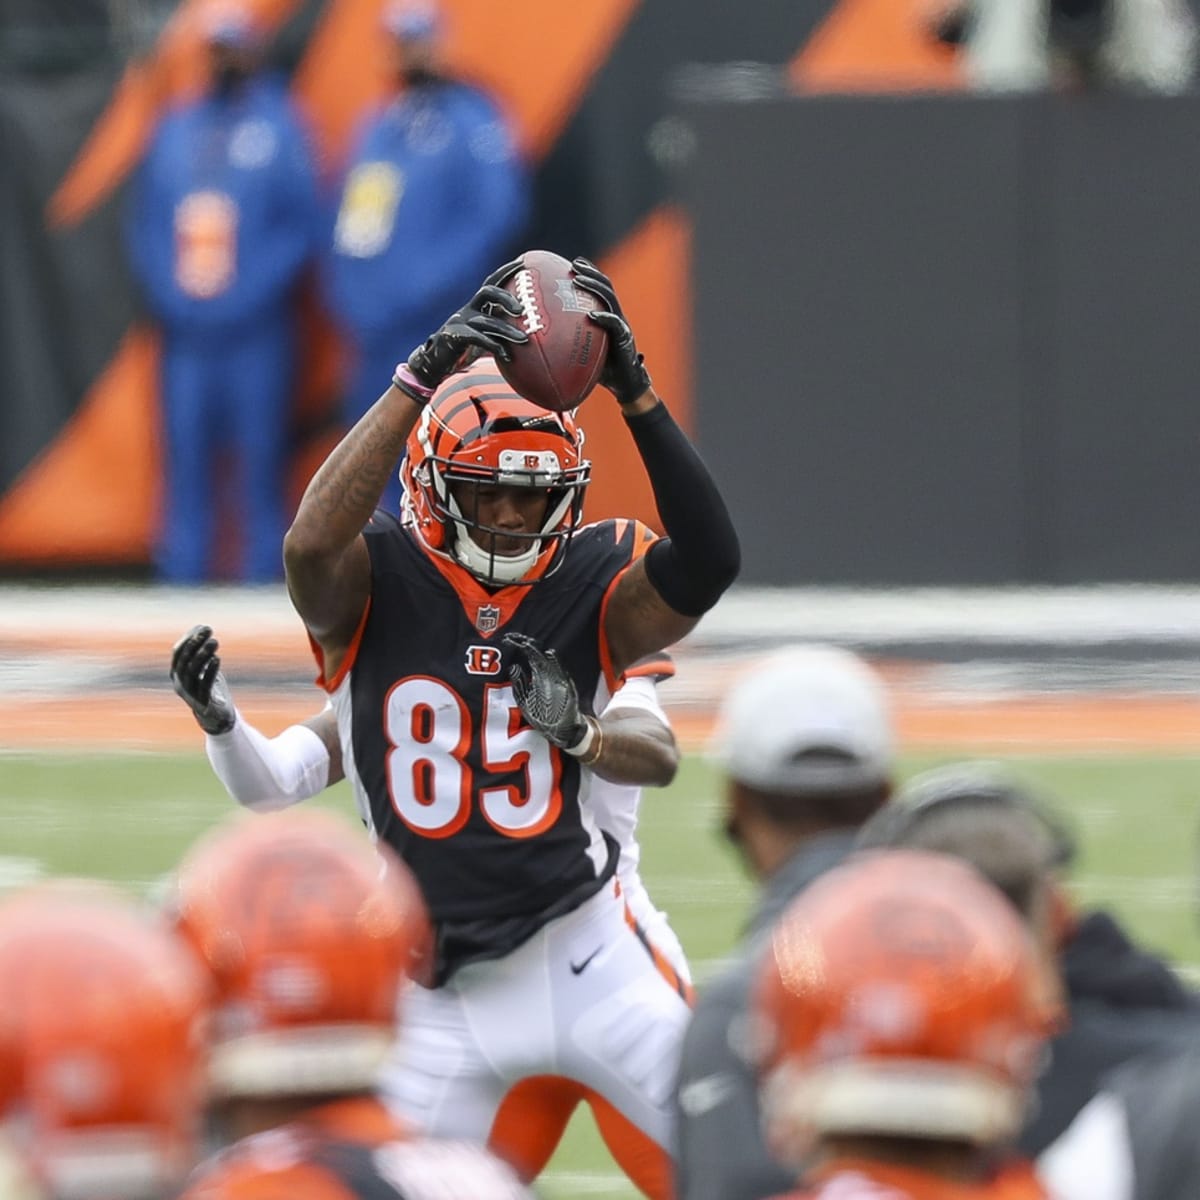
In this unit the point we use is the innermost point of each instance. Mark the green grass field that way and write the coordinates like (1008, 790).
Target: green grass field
(128, 818)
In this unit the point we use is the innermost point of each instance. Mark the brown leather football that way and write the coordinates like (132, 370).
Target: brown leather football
(559, 365)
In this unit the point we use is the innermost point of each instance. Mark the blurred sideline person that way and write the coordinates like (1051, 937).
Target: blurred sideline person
(411, 621)
(805, 742)
(899, 1016)
(107, 1015)
(266, 774)
(434, 194)
(309, 937)
(1136, 1138)
(974, 812)
(1030, 45)
(223, 220)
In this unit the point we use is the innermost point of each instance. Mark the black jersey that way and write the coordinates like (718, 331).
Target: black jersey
(485, 811)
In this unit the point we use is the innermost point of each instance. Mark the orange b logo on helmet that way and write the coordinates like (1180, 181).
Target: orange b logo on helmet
(483, 660)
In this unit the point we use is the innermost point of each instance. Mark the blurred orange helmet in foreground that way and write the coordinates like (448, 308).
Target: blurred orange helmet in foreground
(309, 933)
(902, 996)
(108, 1012)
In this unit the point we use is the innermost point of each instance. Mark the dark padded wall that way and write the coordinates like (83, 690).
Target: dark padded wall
(53, 333)
(1124, 183)
(857, 336)
(951, 339)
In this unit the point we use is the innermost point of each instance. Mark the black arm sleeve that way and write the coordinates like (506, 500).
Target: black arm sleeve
(700, 556)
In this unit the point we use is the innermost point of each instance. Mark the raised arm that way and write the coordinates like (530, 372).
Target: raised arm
(324, 552)
(662, 596)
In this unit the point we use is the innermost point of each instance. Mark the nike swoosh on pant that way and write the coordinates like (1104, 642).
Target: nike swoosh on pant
(577, 968)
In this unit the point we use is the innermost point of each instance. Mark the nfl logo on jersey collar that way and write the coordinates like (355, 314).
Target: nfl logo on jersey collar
(487, 618)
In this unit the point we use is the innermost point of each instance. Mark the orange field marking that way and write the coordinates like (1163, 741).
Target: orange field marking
(148, 720)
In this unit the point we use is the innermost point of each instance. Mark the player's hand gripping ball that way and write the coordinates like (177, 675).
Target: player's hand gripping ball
(565, 352)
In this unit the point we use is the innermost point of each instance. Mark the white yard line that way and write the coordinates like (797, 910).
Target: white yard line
(574, 1183)
(1063, 616)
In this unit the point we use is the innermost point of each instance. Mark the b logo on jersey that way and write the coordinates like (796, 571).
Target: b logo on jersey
(487, 618)
(483, 660)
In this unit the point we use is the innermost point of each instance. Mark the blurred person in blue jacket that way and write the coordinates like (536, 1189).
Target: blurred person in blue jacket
(434, 194)
(224, 220)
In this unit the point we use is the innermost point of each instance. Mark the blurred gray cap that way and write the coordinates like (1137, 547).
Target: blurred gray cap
(807, 719)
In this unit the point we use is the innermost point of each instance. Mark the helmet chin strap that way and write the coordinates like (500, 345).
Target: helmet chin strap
(493, 568)
(500, 568)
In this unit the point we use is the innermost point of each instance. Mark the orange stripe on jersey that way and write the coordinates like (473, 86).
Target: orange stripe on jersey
(332, 685)
(256, 1169)
(639, 538)
(1013, 1181)
(361, 1119)
(240, 1178)
(473, 596)
(653, 666)
(661, 963)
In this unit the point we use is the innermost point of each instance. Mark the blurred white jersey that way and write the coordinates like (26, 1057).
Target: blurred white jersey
(615, 808)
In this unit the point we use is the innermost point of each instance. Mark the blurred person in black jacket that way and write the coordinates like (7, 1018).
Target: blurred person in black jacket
(805, 744)
(1028, 45)
(1136, 1138)
(1122, 1000)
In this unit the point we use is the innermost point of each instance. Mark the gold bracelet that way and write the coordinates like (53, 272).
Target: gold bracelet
(596, 748)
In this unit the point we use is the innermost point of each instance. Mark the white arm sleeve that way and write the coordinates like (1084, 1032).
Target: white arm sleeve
(264, 773)
(640, 693)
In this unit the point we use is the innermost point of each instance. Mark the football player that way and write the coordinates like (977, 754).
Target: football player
(309, 937)
(266, 774)
(407, 618)
(898, 1023)
(107, 1014)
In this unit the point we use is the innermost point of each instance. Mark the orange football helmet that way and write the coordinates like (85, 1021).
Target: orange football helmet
(110, 1016)
(309, 933)
(476, 430)
(902, 996)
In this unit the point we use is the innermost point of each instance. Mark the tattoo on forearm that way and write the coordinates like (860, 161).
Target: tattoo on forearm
(351, 480)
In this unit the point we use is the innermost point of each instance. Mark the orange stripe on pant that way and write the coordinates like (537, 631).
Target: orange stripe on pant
(660, 960)
(533, 1117)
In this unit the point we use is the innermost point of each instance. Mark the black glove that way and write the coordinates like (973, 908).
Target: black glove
(197, 680)
(479, 325)
(624, 373)
(545, 692)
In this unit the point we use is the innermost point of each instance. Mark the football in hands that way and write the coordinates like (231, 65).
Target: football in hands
(561, 362)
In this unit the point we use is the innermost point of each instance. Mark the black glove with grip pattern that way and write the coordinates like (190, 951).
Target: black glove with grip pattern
(197, 680)
(479, 326)
(624, 373)
(545, 693)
